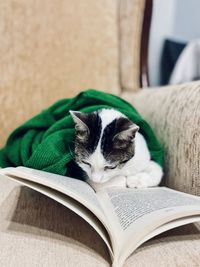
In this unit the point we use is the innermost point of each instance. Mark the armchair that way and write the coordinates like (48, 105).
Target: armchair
(54, 49)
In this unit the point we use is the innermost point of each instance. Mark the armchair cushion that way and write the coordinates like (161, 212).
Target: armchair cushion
(55, 49)
(174, 114)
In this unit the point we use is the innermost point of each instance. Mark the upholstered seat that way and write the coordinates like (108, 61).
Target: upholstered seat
(54, 49)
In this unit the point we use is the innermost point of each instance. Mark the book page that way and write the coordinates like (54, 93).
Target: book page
(72, 204)
(134, 213)
(130, 206)
(68, 187)
(131, 247)
(75, 188)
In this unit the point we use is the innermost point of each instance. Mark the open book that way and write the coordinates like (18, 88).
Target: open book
(124, 218)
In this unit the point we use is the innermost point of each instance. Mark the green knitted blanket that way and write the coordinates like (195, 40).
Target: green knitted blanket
(45, 142)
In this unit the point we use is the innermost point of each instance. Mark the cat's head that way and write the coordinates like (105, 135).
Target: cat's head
(104, 142)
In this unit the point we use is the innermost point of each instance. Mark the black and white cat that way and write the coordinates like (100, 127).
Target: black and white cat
(111, 151)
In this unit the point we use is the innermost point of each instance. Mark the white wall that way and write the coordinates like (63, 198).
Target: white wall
(186, 25)
(176, 19)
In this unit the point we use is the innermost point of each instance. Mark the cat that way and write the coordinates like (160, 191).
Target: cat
(111, 152)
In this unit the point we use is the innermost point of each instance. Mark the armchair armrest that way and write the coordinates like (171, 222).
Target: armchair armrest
(174, 114)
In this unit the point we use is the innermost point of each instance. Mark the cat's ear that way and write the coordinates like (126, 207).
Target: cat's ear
(79, 119)
(127, 134)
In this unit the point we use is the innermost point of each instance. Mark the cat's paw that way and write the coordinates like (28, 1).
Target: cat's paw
(140, 180)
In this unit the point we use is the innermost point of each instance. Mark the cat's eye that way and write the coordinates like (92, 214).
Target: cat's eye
(109, 167)
(87, 163)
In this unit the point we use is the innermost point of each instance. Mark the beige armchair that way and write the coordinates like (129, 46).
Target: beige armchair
(54, 49)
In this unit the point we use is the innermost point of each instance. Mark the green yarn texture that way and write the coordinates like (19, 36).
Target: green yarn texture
(46, 141)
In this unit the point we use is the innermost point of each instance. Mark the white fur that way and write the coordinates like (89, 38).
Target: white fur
(138, 172)
(108, 115)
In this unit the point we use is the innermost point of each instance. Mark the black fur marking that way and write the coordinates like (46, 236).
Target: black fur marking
(113, 149)
(74, 171)
(88, 144)
(94, 125)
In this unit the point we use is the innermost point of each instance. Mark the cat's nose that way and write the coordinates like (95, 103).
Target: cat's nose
(96, 177)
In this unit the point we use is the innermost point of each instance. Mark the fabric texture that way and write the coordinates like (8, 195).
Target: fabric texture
(174, 114)
(48, 46)
(45, 142)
